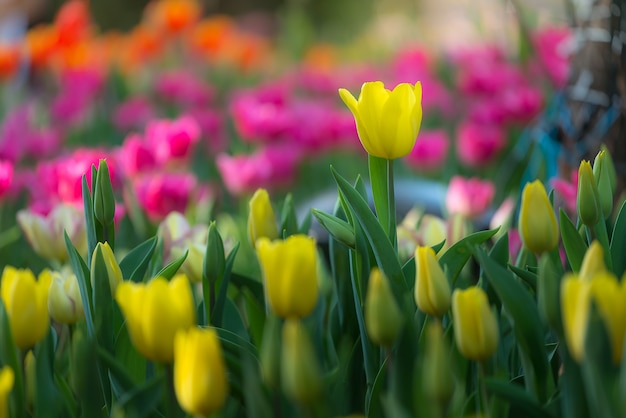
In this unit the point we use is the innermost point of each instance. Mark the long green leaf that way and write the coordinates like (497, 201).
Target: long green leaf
(575, 247)
(90, 220)
(48, 402)
(386, 256)
(170, 270)
(455, 257)
(84, 283)
(525, 320)
(218, 310)
(618, 242)
(521, 401)
(135, 264)
(11, 357)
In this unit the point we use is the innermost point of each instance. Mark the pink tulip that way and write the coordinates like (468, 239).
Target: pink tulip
(469, 197)
(478, 145)
(134, 113)
(158, 194)
(172, 141)
(567, 191)
(260, 117)
(430, 151)
(554, 46)
(135, 156)
(184, 89)
(6, 177)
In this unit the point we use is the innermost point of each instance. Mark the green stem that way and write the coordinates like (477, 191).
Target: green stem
(484, 400)
(391, 205)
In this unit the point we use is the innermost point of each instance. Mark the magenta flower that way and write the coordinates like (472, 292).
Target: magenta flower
(158, 194)
(567, 190)
(478, 145)
(260, 116)
(6, 177)
(134, 113)
(554, 46)
(172, 141)
(135, 156)
(184, 89)
(469, 197)
(272, 167)
(430, 151)
(212, 129)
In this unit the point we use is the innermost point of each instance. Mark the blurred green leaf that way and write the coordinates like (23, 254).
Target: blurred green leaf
(521, 402)
(373, 406)
(142, 400)
(84, 283)
(575, 247)
(48, 400)
(90, 220)
(217, 315)
(135, 264)
(11, 357)
(171, 269)
(618, 242)
(528, 277)
(455, 257)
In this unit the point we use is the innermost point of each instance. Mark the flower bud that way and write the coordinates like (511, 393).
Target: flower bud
(103, 198)
(437, 378)
(7, 379)
(593, 262)
(300, 372)
(65, 304)
(537, 223)
(336, 227)
(114, 273)
(575, 296)
(588, 198)
(261, 218)
(383, 319)
(603, 181)
(610, 167)
(432, 290)
(610, 298)
(289, 270)
(475, 324)
(26, 303)
(200, 379)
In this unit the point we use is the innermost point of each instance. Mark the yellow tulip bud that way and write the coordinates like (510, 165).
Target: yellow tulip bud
(437, 377)
(200, 379)
(300, 372)
(475, 324)
(65, 304)
(114, 273)
(383, 319)
(432, 290)
(289, 270)
(537, 223)
(261, 219)
(588, 198)
(387, 122)
(575, 296)
(610, 298)
(603, 181)
(610, 167)
(154, 312)
(26, 302)
(593, 261)
(7, 378)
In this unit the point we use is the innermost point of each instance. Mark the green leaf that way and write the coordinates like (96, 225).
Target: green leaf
(373, 406)
(170, 270)
(288, 218)
(135, 265)
(232, 320)
(618, 242)
(47, 396)
(255, 313)
(524, 315)
(519, 399)
(384, 252)
(141, 401)
(455, 257)
(84, 283)
(337, 228)
(11, 357)
(220, 302)
(90, 221)
(575, 247)
(528, 277)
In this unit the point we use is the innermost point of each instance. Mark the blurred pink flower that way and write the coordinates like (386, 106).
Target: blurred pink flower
(469, 197)
(172, 141)
(6, 177)
(78, 90)
(567, 190)
(271, 167)
(485, 77)
(212, 127)
(521, 102)
(554, 46)
(134, 113)
(135, 156)
(158, 194)
(515, 243)
(430, 151)
(477, 144)
(184, 89)
(260, 117)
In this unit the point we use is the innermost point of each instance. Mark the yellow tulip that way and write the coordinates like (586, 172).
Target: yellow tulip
(7, 378)
(610, 298)
(593, 262)
(300, 371)
(289, 270)
(114, 273)
(588, 198)
(537, 223)
(200, 379)
(575, 296)
(432, 290)
(475, 325)
(383, 319)
(387, 122)
(65, 304)
(26, 302)
(154, 312)
(261, 218)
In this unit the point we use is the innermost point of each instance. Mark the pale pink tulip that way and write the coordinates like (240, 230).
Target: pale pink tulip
(158, 194)
(478, 145)
(469, 197)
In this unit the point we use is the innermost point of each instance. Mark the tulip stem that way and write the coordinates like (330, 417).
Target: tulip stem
(381, 179)
(484, 400)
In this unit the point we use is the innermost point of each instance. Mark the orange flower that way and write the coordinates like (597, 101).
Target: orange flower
(321, 57)
(9, 60)
(41, 44)
(173, 16)
(211, 35)
(72, 22)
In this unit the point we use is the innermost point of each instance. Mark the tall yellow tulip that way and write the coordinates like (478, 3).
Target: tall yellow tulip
(537, 223)
(26, 302)
(475, 325)
(432, 290)
(261, 218)
(290, 274)
(154, 312)
(199, 371)
(387, 122)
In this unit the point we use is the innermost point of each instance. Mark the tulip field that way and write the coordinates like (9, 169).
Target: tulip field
(196, 221)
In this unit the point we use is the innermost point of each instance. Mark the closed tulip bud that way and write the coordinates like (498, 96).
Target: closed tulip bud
(537, 223)
(339, 229)
(154, 312)
(432, 290)
(214, 262)
(192, 266)
(300, 372)
(7, 379)
(289, 270)
(26, 302)
(437, 378)
(575, 296)
(475, 324)
(114, 273)
(593, 262)
(103, 198)
(603, 181)
(383, 319)
(588, 198)
(387, 122)
(610, 298)
(64, 301)
(610, 167)
(200, 379)
(261, 218)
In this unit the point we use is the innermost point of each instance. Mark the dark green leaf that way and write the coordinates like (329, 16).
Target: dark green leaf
(618, 242)
(11, 357)
(171, 269)
(220, 302)
(575, 247)
(519, 399)
(135, 265)
(455, 257)
(84, 283)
